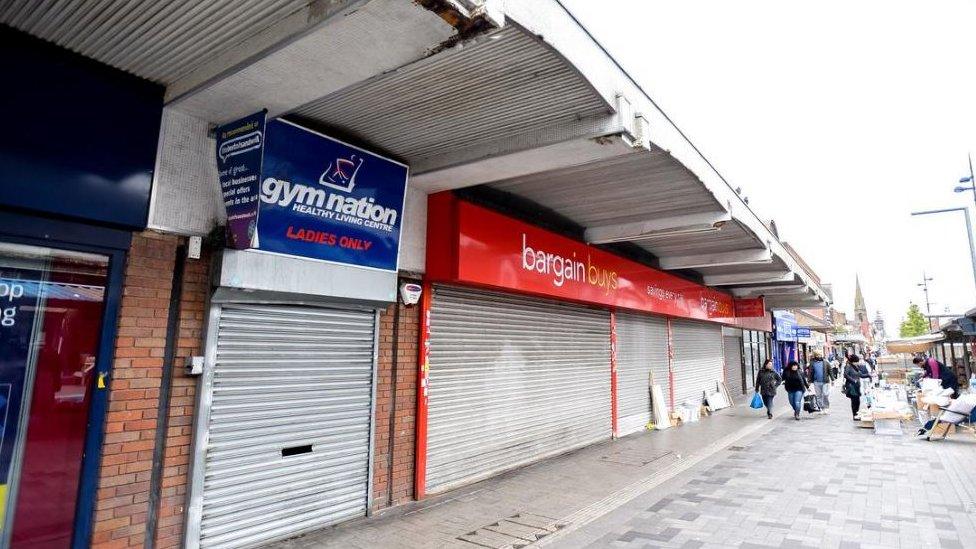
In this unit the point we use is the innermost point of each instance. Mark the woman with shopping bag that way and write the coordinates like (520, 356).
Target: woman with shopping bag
(796, 386)
(766, 384)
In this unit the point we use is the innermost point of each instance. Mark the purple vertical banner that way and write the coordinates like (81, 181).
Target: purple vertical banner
(240, 152)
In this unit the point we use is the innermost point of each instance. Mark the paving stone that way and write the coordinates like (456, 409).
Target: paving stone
(664, 535)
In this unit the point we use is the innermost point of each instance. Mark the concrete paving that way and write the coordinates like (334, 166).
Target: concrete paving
(817, 483)
(733, 480)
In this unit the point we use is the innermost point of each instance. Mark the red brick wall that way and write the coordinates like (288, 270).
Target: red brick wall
(130, 428)
(401, 488)
(193, 315)
(124, 483)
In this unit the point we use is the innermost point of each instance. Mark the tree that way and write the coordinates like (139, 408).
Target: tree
(915, 324)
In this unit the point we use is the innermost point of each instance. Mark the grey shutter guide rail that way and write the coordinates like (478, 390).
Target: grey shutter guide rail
(733, 365)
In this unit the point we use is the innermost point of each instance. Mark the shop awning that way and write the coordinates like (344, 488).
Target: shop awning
(515, 97)
(537, 110)
(961, 326)
(848, 338)
(917, 344)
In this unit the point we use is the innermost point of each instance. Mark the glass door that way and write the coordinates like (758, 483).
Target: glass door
(51, 305)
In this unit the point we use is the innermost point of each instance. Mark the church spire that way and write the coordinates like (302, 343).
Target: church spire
(859, 297)
(860, 310)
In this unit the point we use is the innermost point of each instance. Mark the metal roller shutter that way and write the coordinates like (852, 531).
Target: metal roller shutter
(733, 365)
(749, 354)
(642, 349)
(289, 424)
(512, 380)
(698, 359)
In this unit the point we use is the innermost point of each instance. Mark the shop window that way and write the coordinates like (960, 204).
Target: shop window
(51, 304)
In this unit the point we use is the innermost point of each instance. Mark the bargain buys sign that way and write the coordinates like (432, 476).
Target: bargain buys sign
(473, 245)
(753, 307)
(323, 199)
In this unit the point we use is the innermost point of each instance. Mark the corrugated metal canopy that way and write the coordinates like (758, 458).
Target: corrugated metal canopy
(486, 90)
(628, 188)
(159, 41)
(776, 264)
(732, 236)
(632, 188)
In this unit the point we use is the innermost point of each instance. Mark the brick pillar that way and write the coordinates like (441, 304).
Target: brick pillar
(123, 489)
(400, 490)
(176, 462)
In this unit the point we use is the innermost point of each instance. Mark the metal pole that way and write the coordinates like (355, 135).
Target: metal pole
(925, 288)
(969, 232)
(972, 180)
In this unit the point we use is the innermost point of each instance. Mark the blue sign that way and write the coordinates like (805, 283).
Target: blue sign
(802, 332)
(79, 138)
(240, 146)
(785, 324)
(324, 199)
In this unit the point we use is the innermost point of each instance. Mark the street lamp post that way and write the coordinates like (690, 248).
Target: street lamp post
(969, 231)
(971, 180)
(925, 288)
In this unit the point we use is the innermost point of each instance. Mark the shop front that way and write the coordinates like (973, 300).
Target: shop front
(755, 350)
(285, 427)
(69, 205)
(735, 360)
(534, 344)
(785, 345)
(957, 347)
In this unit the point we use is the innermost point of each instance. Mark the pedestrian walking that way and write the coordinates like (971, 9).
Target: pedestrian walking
(795, 385)
(821, 377)
(865, 376)
(852, 385)
(767, 381)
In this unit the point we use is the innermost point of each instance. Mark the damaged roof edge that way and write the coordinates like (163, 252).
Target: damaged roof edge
(467, 21)
(469, 17)
(555, 24)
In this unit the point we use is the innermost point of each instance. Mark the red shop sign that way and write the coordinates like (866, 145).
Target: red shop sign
(750, 307)
(473, 245)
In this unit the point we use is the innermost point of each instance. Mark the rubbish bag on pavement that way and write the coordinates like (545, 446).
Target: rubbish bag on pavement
(757, 402)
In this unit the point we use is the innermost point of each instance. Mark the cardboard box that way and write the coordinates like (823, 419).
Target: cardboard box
(943, 429)
(885, 414)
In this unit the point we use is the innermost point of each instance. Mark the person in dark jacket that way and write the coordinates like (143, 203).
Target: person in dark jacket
(852, 384)
(796, 385)
(767, 381)
(865, 372)
(821, 377)
(950, 381)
